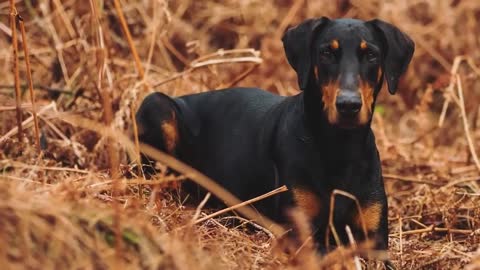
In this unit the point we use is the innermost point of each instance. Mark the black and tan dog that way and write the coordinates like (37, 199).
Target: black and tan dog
(252, 141)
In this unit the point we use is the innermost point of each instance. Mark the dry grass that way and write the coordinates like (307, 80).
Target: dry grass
(57, 209)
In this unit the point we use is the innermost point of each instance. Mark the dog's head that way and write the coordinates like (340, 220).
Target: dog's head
(345, 61)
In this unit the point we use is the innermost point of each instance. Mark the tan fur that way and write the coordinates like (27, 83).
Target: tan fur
(371, 215)
(366, 93)
(170, 133)
(140, 129)
(329, 97)
(315, 71)
(334, 44)
(363, 45)
(307, 201)
(379, 74)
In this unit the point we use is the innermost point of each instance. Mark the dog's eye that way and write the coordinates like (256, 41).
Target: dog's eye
(372, 56)
(326, 55)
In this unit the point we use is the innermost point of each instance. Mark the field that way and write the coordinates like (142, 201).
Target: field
(71, 194)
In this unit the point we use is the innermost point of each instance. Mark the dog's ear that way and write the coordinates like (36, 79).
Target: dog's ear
(190, 123)
(297, 43)
(399, 51)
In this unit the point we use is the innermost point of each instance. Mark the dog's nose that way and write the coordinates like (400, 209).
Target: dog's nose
(348, 103)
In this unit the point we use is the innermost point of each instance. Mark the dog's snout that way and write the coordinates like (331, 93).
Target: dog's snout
(348, 103)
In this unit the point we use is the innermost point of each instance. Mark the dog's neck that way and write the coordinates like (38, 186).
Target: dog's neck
(337, 143)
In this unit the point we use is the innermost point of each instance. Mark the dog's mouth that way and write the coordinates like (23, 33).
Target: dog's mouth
(348, 122)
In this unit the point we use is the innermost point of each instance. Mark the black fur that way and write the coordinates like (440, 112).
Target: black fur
(251, 141)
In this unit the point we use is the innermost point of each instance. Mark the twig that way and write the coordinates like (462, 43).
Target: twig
(206, 61)
(410, 179)
(39, 87)
(63, 15)
(465, 123)
(55, 129)
(131, 182)
(431, 229)
(153, 38)
(331, 225)
(464, 169)
(25, 106)
(415, 221)
(288, 18)
(174, 77)
(30, 83)
(16, 164)
(241, 76)
(18, 100)
(14, 130)
(476, 116)
(200, 207)
(463, 180)
(421, 136)
(174, 51)
(404, 218)
(108, 118)
(233, 207)
(227, 60)
(137, 148)
(400, 228)
(223, 53)
(306, 244)
(267, 232)
(126, 31)
(468, 194)
(430, 49)
(470, 256)
(305, 254)
(453, 71)
(356, 260)
(59, 46)
(21, 179)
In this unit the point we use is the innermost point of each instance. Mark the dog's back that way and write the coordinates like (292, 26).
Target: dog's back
(222, 149)
(228, 145)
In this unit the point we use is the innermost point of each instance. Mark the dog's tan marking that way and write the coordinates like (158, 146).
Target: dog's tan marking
(363, 45)
(307, 201)
(315, 71)
(379, 74)
(140, 128)
(371, 215)
(334, 44)
(170, 134)
(366, 93)
(329, 97)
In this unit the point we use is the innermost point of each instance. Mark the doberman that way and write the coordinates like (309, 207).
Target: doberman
(251, 141)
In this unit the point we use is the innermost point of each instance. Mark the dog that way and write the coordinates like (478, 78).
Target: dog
(251, 141)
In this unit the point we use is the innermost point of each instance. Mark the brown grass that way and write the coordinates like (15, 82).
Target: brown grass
(57, 208)
(18, 99)
(30, 83)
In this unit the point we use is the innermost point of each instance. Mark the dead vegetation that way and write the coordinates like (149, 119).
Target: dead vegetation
(70, 206)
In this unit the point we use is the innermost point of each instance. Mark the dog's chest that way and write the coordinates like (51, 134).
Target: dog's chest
(318, 172)
(312, 181)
